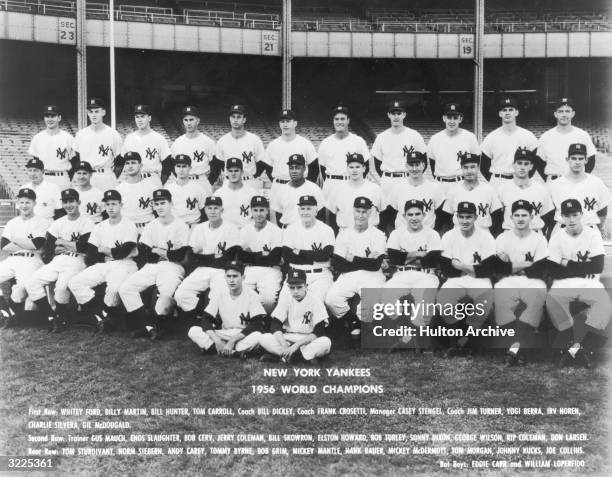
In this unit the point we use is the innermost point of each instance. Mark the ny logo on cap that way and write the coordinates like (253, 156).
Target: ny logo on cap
(452, 107)
(396, 104)
(294, 275)
(521, 203)
(507, 101)
(188, 109)
(236, 106)
(49, 108)
(285, 112)
(92, 101)
(362, 201)
(258, 199)
(339, 108)
(564, 100)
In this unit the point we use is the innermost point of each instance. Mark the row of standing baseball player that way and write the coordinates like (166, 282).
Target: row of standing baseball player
(77, 256)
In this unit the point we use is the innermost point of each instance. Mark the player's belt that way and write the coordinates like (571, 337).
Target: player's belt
(314, 270)
(100, 170)
(281, 181)
(412, 268)
(140, 225)
(71, 254)
(247, 178)
(503, 176)
(195, 176)
(149, 174)
(55, 173)
(22, 254)
(395, 174)
(552, 177)
(334, 176)
(449, 179)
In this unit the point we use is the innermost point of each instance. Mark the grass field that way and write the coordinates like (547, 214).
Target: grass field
(82, 370)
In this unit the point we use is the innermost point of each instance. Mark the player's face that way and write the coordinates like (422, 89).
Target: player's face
(142, 120)
(52, 120)
(522, 168)
(113, 208)
(396, 118)
(341, 122)
(296, 171)
(191, 123)
(361, 216)
(576, 162)
(298, 290)
(308, 213)
(132, 167)
(287, 126)
(355, 170)
(466, 221)
(452, 121)
(415, 169)
(82, 178)
(573, 222)
(233, 279)
(508, 115)
(414, 218)
(213, 212)
(35, 174)
(234, 174)
(162, 207)
(70, 206)
(259, 214)
(564, 115)
(470, 170)
(25, 206)
(96, 115)
(521, 219)
(237, 120)
(182, 171)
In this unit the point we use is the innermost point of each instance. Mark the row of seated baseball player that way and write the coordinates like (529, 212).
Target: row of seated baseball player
(77, 256)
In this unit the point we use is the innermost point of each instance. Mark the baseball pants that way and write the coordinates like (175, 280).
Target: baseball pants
(497, 182)
(266, 281)
(320, 346)
(201, 338)
(388, 184)
(349, 284)
(59, 271)
(104, 180)
(329, 185)
(421, 285)
(318, 283)
(512, 290)
(478, 289)
(202, 278)
(60, 178)
(589, 291)
(113, 273)
(21, 269)
(166, 276)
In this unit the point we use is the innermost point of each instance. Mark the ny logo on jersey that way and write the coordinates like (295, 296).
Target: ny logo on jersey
(191, 203)
(529, 257)
(247, 156)
(317, 247)
(422, 248)
(118, 244)
(198, 156)
(483, 209)
(368, 251)
(74, 236)
(30, 236)
(150, 153)
(459, 154)
(407, 150)
(536, 207)
(589, 204)
(169, 244)
(61, 153)
(91, 208)
(144, 203)
(266, 248)
(103, 151)
(244, 319)
(244, 210)
(477, 257)
(583, 257)
(428, 204)
(221, 247)
(307, 319)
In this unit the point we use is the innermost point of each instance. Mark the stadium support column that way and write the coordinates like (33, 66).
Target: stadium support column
(81, 54)
(286, 53)
(478, 67)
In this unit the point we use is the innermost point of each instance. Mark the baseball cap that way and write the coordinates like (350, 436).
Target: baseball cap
(570, 205)
(286, 114)
(355, 157)
(51, 109)
(162, 194)
(522, 205)
(182, 159)
(233, 162)
(190, 111)
(414, 203)
(307, 200)
(234, 265)
(466, 208)
(297, 159)
(296, 276)
(259, 201)
(69, 194)
(577, 148)
(213, 200)
(111, 194)
(142, 109)
(362, 203)
(26, 193)
(452, 108)
(340, 109)
(237, 108)
(416, 156)
(564, 102)
(508, 103)
(95, 103)
(131, 156)
(524, 154)
(396, 106)
(467, 157)
(36, 163)
(83, 166)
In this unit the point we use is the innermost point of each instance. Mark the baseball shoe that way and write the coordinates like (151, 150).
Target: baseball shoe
(565, 360)
(243, 355)
(268, 358)
(154, 333)
(5, 319)
(511, 359)
(57, 325)
(140, 333)
(586, 358)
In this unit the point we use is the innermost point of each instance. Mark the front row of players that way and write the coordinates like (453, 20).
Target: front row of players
(77, 257)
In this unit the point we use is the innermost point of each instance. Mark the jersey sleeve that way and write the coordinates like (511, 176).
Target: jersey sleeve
(9, 232)
(117, 143)
(494, 200)
(332, 202)
(380, 243)
(596, 244)
(319, 313)
(419, 142)
(32, 148)
(323, 155)
(363, 149)
(488, 245)
(449, 202)
(276, 238)
(377, 149)
(233, 237)
(547, 203)
(276, 201)
(485, 147)
(267, 156)
(604, 198)
(474, 148)
(318, 193)
(532, 141)
(146, 238)
(435, 243)
(311, 152)
(95, 238)
(393, 241)
(54, 229)
(437, 195)
(541, 250)
(213, 305)
(255, 306)
(196, 238)
(243, 239)
(447, 245)
(342, 244)
(591, 149)
(394, 197)
(258, 148)
(328, 236)
(281, 311)
(500, 243)
(555, 251)
(131, 234)
(219, 152)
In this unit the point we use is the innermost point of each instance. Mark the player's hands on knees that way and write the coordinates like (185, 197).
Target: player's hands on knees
(292, 349)
(503, 256)
(227, 349)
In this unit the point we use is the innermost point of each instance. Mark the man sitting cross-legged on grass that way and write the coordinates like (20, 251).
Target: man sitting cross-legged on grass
(242, 317)
(303, 316)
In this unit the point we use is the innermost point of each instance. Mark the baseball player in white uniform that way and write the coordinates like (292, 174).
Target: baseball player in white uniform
(22, 239)
(197, 146)
(111, 249)
(100, 145)
(342, 197)
(554, 143)
(522, 187)
(213, 244)
(163, 245)
(137, 192)
(187, 195)
(64, 255)
(446, 147)
(589, 190)
(284, 203)
(576, 256)
(150, 145)
(236, 195)
(499, 146)
(521, 261)
(297, 330)
(90, 198)
(274, 161)
(241, 314)
(53, 147)
(48, 203)
(430, 193)
(358, 256)
(334, 150)
(260, 251)
(241, 144)
(467, 256)
(308, 245)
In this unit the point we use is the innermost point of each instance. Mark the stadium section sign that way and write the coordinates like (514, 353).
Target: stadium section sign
(466, 46)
